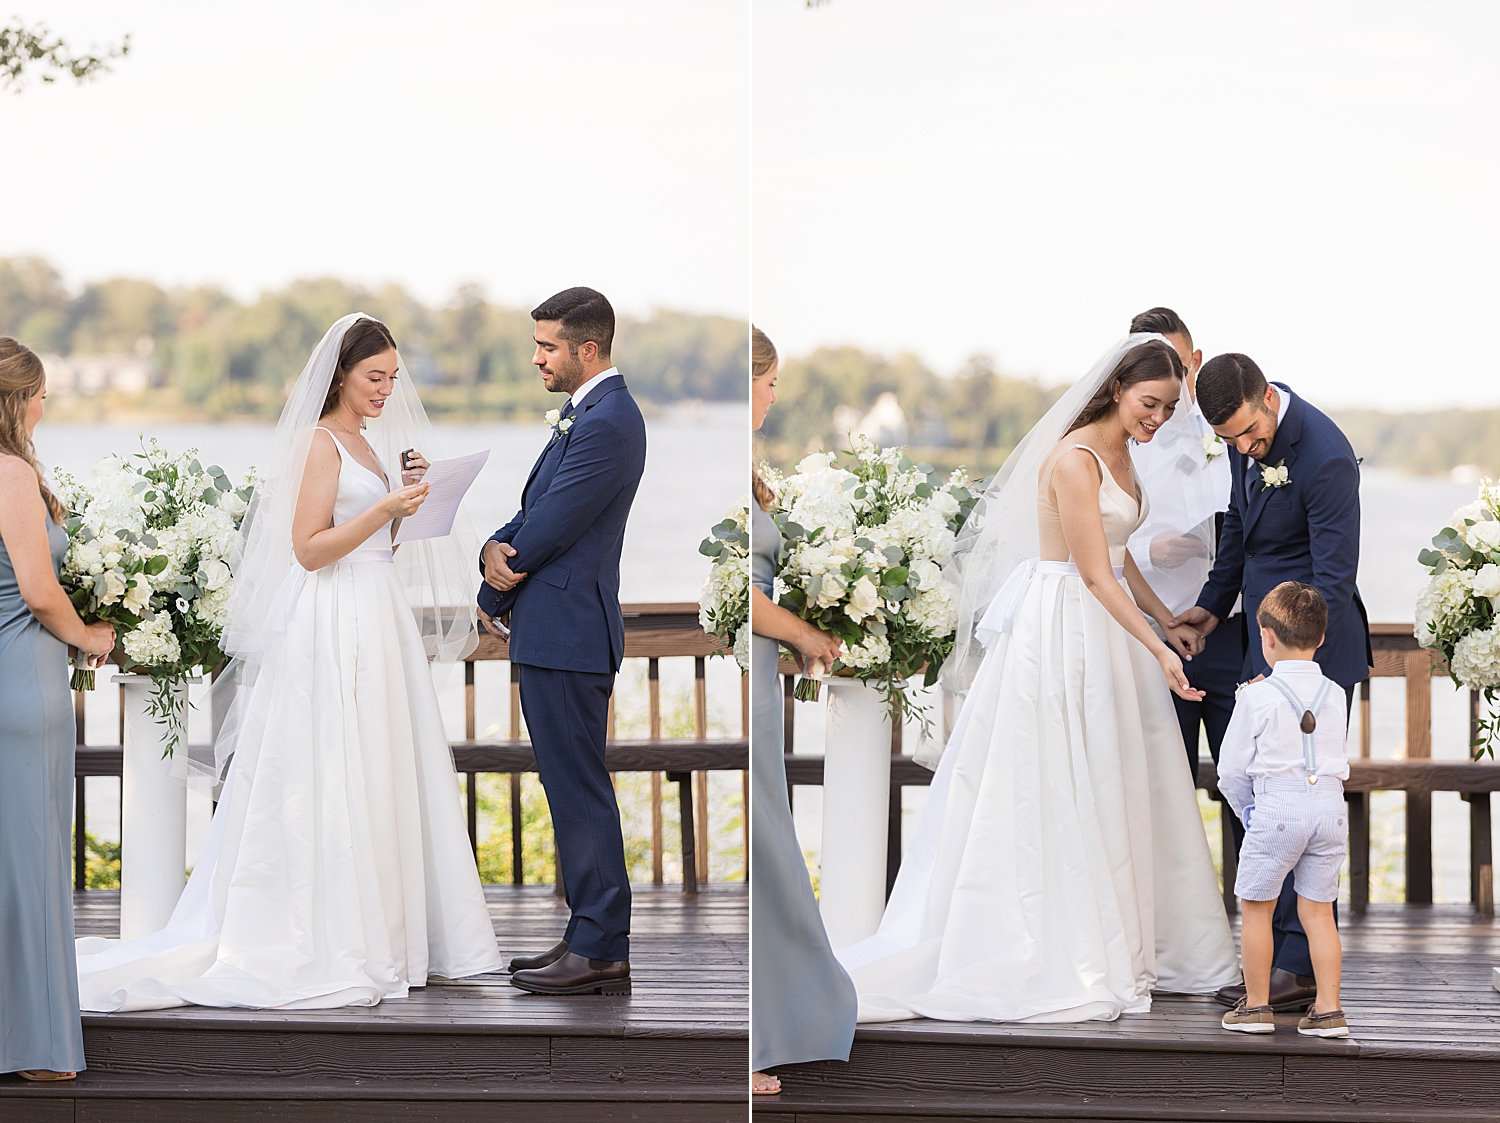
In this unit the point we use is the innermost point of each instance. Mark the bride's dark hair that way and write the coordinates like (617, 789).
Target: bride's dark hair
(365, 339)
(1155, 359)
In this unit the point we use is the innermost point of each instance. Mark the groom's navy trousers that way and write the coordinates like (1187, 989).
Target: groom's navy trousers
(573, 708)
(567, 637)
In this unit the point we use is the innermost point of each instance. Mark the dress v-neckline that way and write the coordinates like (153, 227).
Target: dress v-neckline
(345, 454)
(1109, 477)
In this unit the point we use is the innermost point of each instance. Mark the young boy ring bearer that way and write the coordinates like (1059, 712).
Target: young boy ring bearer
(1281, 768)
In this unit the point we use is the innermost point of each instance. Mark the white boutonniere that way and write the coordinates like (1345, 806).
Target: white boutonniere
(1239, 688)
(1213, 447)
(1275, 475)
(559, 423)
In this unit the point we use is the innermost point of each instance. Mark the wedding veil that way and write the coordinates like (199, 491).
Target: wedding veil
(1002, 531)
(438, 574)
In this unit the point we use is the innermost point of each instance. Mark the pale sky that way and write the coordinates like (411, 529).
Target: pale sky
(523, 145)
(1316, 185)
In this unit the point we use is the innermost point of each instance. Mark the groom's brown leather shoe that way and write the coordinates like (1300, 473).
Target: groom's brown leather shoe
(1290, 994)
(537, 962)
(573, 974)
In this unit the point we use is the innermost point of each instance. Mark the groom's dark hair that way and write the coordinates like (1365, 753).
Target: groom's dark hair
(1163, 321)
(584, 315)
(1227, 382)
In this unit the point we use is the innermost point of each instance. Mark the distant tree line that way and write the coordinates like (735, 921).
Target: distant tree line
(977, 415)
(223, 358)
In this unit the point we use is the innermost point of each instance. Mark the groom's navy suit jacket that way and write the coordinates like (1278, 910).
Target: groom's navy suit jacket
(1306, 530)
(568, 535)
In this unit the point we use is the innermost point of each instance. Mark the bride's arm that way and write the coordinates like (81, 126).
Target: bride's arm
(1075, 483)
(315, 540)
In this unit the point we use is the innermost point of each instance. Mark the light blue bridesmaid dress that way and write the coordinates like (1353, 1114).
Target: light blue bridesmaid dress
(39, 1021)
(802, 1004)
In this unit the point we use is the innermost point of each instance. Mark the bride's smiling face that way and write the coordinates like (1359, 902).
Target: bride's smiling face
(1146, 406)
(369, 384)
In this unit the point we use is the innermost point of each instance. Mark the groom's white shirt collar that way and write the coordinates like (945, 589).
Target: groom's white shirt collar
(587, 388)
(1283, 403)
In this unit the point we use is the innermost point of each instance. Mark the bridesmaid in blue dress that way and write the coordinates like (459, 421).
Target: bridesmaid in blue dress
(802, 1004)
(40, 1034)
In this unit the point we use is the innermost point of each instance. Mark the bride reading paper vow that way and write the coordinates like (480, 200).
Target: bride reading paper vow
(1059, 870)
(337, 871)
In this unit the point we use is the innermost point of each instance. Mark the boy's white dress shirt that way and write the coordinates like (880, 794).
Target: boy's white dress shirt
(1264, 738)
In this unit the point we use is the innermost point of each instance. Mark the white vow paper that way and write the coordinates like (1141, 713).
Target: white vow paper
(447, 482)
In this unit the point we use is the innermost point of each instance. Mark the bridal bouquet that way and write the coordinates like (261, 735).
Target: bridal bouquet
(1456, 612)
(148, 547)
(724, 605)
(866, 535)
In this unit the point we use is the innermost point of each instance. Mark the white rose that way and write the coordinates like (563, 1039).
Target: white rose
(214, 575)
(864, 599)
(138, 596)
(945, 505)
(925, 574)
(551, 416)
(1487, 580)
(831, 591)
(1485, 536)
(114, 587)
(231, 504)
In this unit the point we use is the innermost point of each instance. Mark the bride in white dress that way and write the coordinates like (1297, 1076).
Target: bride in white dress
(1059, 870)
(337, 870)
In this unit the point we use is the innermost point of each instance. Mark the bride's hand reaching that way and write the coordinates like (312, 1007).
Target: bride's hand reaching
(1171, 668)
(1186, 639)
(403, 501)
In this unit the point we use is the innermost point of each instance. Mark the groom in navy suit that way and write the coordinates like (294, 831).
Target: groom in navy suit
(554, 570)
(1293, 516)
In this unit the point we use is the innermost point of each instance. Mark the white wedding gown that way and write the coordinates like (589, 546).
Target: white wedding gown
(1059, 870)
(337, 870)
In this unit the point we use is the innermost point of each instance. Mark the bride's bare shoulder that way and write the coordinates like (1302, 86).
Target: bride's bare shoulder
(1067, 463)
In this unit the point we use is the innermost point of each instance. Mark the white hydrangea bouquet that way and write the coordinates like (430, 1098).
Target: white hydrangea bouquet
(1456, 612)
(149, 538)
(724, 605)
(865, 539)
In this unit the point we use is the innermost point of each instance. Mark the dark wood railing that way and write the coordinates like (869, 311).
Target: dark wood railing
(1396, 656)
(652, 632)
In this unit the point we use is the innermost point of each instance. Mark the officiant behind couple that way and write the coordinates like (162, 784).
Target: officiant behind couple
(337, 870)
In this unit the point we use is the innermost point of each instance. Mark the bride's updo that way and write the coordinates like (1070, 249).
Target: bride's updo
(365, 339)
(1151, 361)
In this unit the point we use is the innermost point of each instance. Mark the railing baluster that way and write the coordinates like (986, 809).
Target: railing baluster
(653, 687)
(700, 730)
(1419, 804)
(471, 786)
(517, 852)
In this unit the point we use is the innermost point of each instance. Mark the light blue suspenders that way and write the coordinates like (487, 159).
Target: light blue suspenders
(1308, 722)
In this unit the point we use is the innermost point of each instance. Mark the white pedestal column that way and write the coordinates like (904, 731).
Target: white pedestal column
(153, 818)
(856, 810)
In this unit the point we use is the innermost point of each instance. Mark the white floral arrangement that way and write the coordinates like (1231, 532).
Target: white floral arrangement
(149, 538)
(724, 605)
(558, 422)
(1456, 612)
(1213, 447)
(865, 540)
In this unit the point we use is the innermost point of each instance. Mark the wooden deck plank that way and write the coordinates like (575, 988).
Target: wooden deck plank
(1425, 1043)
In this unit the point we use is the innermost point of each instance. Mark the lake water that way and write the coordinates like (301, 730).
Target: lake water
(695, 471)
(1400, 514)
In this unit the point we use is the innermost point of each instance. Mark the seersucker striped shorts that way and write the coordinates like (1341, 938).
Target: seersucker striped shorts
(1297, 828)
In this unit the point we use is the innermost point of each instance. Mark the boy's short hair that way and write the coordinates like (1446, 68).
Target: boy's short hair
(1296, 613)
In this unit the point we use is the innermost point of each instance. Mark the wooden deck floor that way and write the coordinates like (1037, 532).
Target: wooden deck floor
(1424, 1045)
(675, 1049)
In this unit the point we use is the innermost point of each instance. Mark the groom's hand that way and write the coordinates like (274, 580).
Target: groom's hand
(1198, 618)
(495, 627)
(496, 571)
